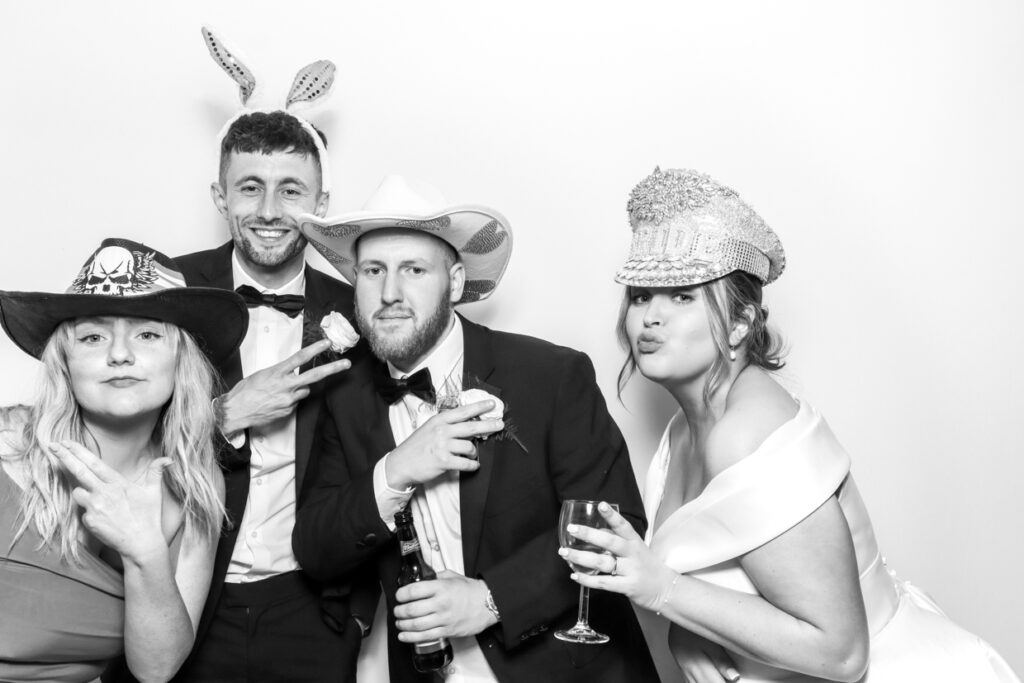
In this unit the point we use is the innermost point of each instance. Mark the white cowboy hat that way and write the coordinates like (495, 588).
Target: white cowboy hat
(481, 236)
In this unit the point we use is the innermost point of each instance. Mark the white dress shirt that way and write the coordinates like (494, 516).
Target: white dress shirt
(264, 545)
(436, 505)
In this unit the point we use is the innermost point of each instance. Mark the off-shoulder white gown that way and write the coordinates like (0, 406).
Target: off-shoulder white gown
(789, 476)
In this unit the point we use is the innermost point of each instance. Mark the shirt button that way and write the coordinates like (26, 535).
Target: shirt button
(266, 328)
(259, 482)
(254, 534)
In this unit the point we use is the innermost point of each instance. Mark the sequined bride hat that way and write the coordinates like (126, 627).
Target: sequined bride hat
(311, 85)
(689, 229)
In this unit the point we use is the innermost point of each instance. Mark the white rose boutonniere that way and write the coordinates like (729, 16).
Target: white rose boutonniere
(476, 395)
(339, 331)
(453, 399)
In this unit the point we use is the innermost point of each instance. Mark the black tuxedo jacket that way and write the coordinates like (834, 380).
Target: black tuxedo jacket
(510, 507)
(212, 268)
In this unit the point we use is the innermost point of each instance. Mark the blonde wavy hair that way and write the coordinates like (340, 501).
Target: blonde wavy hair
(185, 434)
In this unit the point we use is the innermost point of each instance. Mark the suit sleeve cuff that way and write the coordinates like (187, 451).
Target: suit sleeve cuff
(389, 500)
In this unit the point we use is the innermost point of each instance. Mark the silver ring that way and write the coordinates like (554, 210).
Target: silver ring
(615, 565)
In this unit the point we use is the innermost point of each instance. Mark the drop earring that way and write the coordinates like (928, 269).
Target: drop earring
(732, 353)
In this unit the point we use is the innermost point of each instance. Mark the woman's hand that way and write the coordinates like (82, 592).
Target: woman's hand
(631, 569)
(701, 660)
(124, 515)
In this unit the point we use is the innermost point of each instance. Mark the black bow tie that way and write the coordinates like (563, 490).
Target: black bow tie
(289, 304)
(392, 390)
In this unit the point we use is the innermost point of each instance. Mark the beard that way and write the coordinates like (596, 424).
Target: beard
(290, 247)
(403, 351)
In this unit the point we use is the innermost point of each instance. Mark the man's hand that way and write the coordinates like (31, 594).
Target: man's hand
(272, 393)
(450, 606)
(442, 443)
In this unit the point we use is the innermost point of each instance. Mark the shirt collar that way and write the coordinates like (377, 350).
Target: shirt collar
(297, 285)
(443, 362)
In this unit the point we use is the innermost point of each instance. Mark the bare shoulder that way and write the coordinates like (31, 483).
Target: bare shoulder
(174, 514)
(13, 420)
(757, 406)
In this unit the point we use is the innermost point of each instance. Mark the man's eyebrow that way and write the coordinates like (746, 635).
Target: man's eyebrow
(249, 179)
(293, 181)
(289, 180)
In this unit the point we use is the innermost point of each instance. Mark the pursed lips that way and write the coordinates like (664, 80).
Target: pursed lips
(648, 343)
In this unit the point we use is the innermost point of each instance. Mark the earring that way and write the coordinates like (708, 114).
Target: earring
(732, 353)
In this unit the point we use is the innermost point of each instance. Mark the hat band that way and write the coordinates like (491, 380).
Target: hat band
(670, 255)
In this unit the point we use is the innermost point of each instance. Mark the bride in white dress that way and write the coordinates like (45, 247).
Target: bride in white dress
(760, 551)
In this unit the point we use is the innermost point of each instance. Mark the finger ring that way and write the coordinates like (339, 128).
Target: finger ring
(615, 565)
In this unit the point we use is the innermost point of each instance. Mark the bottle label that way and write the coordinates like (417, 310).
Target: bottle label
(409, 547)
(432, 646)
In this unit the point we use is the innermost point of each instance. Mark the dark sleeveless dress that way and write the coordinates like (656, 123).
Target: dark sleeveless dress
(59, 622)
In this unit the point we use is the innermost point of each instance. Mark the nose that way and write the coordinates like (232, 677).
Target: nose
(653, 313)
(119, 352)
(391, 291)
(270, 207)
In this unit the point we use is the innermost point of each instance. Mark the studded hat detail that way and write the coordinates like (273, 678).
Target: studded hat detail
(689, 229)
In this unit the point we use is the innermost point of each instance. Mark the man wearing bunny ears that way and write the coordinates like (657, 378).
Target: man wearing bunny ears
(265, 619)
(481, 434)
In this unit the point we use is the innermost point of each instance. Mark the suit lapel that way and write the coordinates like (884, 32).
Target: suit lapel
(477, 367)
(381, 437)
(308, 409)
(216, 272)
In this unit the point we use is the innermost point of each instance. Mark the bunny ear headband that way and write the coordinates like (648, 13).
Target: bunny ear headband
(311, 85)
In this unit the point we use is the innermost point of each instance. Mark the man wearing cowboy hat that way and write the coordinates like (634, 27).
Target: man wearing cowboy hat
(482, 434)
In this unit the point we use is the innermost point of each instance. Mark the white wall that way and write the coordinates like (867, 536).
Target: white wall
(881, 140)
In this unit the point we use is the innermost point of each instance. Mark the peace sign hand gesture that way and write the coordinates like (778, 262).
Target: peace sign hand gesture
(124, 515)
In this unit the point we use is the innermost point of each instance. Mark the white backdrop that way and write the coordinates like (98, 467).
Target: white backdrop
(881, 140)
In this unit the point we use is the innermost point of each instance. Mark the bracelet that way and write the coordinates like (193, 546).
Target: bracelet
(491, 607)
(668, 594)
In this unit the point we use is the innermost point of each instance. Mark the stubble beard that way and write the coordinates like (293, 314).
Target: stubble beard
(402, 352)
(245, 244)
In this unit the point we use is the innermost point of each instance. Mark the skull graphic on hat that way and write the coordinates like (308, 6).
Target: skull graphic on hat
(115, 271)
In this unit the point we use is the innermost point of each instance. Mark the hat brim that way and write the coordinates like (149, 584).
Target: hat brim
(217, 319)
(479, 234)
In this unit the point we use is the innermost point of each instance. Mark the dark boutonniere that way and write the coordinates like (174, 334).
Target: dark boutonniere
(451, 397)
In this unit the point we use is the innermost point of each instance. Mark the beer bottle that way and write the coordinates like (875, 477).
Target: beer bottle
(435, 654)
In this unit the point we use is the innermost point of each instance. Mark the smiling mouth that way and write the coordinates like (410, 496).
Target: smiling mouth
(269, 233)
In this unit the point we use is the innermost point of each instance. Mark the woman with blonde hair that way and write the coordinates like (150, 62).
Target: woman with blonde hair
(761, 553)
(111, 498)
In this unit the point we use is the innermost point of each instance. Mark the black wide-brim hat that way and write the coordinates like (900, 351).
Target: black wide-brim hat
(127, 279)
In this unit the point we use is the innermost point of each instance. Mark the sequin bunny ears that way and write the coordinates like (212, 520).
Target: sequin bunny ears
(311, 85)
(688, 229)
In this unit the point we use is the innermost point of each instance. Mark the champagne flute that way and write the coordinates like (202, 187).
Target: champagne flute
(583, 513)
